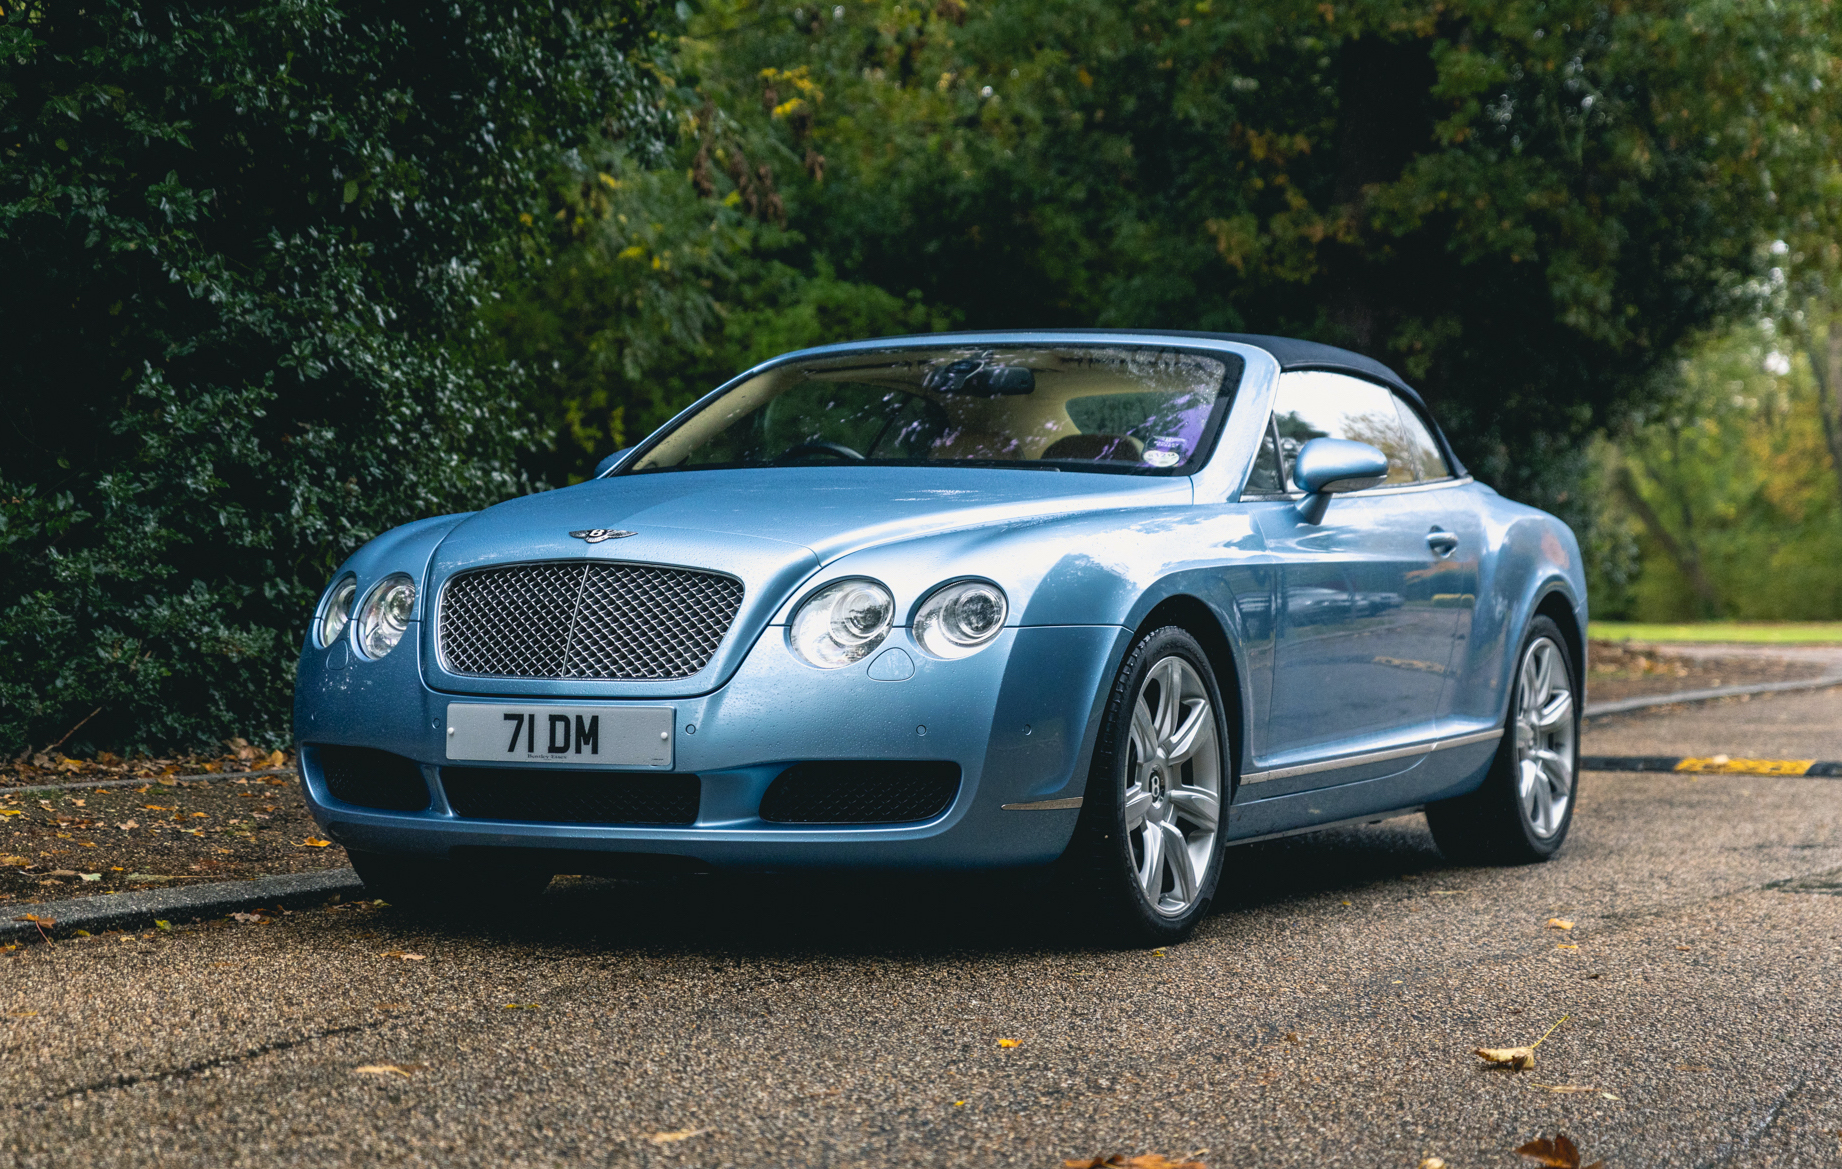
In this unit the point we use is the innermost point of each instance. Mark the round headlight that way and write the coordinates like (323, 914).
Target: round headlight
(960, 619)
(842, 623)
(386, 615)
(336, 611)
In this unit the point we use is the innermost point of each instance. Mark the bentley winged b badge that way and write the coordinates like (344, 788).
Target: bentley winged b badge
(597, 535)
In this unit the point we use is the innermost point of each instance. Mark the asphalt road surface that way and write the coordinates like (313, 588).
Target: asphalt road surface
(1325, 1015)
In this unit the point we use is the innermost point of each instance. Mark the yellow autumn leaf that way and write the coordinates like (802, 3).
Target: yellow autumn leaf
(1009, 1042)
(381, 1069)
(666, 1138)
(1559, 923)
(314, 842)
(1516, 1059)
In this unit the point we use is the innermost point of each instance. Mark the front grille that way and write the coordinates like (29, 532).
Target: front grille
(571, 797)
(371, 778)
(635, 622)
(860, 792)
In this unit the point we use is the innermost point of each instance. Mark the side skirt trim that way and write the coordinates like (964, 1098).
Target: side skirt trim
(1045, 805)
(1341, 762)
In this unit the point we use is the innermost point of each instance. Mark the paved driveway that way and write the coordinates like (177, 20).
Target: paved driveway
(1324, 1016)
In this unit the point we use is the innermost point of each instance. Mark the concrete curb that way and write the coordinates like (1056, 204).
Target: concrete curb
(168, 781)
(107, 911)
(1600, 709)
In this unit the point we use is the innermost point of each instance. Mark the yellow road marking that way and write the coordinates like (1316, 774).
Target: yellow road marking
(1721, 764)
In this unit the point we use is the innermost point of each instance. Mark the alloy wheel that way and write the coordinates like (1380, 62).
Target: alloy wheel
(1173, 792)
(1545, 724)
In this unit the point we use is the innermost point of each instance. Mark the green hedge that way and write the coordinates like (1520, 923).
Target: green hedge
(240, 261)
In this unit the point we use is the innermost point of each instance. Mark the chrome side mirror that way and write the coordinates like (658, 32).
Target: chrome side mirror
(1332, 466)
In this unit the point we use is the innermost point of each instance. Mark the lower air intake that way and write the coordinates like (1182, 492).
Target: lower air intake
(869, 791)
(370, 778)
(528, 795)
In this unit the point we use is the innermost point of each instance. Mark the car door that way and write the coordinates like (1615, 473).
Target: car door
(1364, 623)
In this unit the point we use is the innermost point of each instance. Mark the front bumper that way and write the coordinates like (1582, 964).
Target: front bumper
(1017, 718)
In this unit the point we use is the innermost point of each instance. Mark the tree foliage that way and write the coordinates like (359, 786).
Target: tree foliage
(1528, 207)
(241, 253)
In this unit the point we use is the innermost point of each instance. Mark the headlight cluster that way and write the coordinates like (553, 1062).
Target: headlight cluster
(842, 623)
(960, 619)
(336, 612)
(385, 616)
(847, 620)
(381, 621)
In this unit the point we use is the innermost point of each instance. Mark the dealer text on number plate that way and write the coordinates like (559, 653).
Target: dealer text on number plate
(624, 736)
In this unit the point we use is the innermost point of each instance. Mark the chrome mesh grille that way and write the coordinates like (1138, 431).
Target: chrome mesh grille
(635, 622)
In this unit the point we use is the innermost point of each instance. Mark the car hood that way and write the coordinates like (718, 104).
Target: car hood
(770, 528)
(831, 510)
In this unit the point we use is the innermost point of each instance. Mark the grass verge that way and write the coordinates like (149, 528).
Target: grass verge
(1756, 632)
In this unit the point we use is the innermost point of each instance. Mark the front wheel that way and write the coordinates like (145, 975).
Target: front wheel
(1523, 810)
(1148, 850)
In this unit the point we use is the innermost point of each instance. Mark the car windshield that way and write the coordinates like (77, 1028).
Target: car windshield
(1138, 409)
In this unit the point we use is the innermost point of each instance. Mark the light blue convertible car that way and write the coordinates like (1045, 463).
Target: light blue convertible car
(1111, 601)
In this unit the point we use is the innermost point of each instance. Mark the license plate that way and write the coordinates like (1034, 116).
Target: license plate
(625, 736)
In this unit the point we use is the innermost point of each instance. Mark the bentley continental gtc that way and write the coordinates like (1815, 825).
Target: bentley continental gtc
(1109, 602)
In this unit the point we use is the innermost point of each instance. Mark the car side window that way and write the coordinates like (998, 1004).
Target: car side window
(1430, 463)
(1319, 404)
(1266, 478)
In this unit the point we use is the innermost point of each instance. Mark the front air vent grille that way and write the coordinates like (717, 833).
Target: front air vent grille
(369, 778)
(860, 792)
(536, 796)
(627, 622)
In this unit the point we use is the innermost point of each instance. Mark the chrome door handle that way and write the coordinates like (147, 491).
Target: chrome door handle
(1442, 542)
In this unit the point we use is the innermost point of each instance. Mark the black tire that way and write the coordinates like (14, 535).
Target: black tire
(1493, 825)
(1105, 860)
(434, 885)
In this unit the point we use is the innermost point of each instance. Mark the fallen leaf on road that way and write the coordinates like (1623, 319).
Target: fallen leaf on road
(275, 759)
(1433, 1163)
(1564, 946)
(523, 1007)
(666, 1138)
(402, 955)
(126, 825)
(11, 812)
(251, 918)
(90, 876)
(314, 842)
(1009, 1042)
(162, 925)
(1142, 1161)
(381, 1069)
(1559, 923)
(15, 862)
(1567, 1088)
(1559, 1153)
(35, 919)
(1516, 1058)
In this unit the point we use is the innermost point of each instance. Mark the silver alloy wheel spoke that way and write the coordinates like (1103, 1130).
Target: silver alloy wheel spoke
(1545, 732)
(1172, 805)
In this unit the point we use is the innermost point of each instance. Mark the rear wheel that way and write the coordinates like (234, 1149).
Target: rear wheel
(1525, 806)
(1148, 850)
(437, 885)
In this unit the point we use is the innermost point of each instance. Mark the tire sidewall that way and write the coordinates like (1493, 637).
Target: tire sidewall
(1506, 759)
(1104, 808)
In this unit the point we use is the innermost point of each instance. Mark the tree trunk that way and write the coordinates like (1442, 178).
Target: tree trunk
(1826, 369)
(1384, 119)
(1686, 559)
